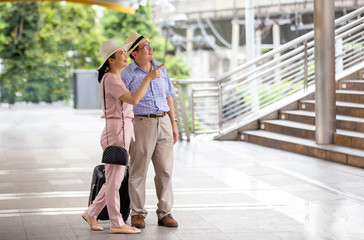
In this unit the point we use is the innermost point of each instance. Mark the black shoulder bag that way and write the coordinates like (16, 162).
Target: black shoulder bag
(112, 154)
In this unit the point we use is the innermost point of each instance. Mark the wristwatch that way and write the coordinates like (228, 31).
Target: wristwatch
(175, 119)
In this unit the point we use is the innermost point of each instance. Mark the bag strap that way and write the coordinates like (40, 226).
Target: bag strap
(122, 115)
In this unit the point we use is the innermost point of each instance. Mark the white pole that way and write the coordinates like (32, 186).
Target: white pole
(250, 52)
(234, 44)
(249, 30)
(258, 42)
(235, 39)
(189, 35)
(276, 44)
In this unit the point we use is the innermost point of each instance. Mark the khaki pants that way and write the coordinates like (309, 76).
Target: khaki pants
(153, 141)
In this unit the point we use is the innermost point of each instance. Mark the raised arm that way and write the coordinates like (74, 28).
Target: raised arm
(134, 98)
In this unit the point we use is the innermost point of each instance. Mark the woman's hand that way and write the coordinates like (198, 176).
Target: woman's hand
(156, 73)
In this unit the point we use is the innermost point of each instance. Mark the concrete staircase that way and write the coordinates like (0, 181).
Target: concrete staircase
(294, 130)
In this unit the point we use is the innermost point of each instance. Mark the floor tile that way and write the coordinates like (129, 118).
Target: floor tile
(222, 189)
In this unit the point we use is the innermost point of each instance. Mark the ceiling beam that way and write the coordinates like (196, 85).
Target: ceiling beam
(107, 4)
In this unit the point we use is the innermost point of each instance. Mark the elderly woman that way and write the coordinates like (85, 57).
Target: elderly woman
(119, 107)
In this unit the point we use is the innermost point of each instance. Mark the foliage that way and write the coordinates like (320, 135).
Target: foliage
(70, 34)
(19, 46)
(141, 22)
(119, 25)
(177, 67)
(40, 42)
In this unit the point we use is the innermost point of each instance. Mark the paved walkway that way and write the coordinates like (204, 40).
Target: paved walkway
(223, 190)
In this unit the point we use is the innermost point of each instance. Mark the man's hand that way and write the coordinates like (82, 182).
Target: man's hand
(175, 132)
(171, 115)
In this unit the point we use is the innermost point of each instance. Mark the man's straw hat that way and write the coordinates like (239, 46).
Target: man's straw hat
(134, 40)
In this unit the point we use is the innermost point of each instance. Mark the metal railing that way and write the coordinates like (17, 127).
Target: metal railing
(270, 81)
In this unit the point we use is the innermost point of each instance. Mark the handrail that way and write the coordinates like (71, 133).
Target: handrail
(283, 74)
(285, 46)
(194, 81)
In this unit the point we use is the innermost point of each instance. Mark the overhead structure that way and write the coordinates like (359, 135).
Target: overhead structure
(222, 9)
(124, 6)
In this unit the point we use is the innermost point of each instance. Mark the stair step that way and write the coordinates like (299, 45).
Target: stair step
(307, 105)
(350, 123)
(350, 96)
(346, 155)
(342, 108)
(349, 138)
(349, 119)
(341, 137)
(290, 128)
(354, 92)
(350, 109)
(342, 122)
(338, 103)
(298, 116)
(352, 85)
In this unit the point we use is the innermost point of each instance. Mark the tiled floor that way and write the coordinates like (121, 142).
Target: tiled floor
(223, 190)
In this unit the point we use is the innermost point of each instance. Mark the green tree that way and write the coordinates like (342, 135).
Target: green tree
(18, 45)
(41, 42)
(119, 26)
(70, 38)
(70, 34)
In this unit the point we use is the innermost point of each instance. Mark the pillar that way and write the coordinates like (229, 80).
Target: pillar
(324, 21)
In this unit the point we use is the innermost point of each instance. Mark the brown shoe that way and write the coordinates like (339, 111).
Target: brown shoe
(138, 221)
(168, 221)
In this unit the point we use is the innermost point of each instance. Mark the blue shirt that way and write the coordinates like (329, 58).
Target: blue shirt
(155, 99)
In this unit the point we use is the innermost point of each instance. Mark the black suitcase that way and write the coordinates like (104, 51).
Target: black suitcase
(98, 179)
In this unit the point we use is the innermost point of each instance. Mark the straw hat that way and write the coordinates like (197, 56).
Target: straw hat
(134, 40)
(108, 48)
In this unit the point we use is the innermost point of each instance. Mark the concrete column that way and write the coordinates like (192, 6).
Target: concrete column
(324, 21)
(276, 37)
(276, 44)
(235, 37)
(249, 30)
(178, 50)
(189, 35)
(250, 53)
(220, 66)
(258, 43)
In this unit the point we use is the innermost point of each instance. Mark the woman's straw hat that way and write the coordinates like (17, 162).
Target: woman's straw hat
(134, 40)
(108, 48)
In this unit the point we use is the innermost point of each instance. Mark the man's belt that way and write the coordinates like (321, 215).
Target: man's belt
(153, 115)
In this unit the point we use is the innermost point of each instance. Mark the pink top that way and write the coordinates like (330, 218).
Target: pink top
(113, 136)
(114, 88)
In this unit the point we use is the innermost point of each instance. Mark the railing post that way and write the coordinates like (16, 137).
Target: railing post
(276, 44)
(305, 68)
(183, 110)
(192, 112)
(220, 106)
(339, 54)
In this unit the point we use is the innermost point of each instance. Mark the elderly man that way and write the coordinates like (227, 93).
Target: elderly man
(155, 134)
